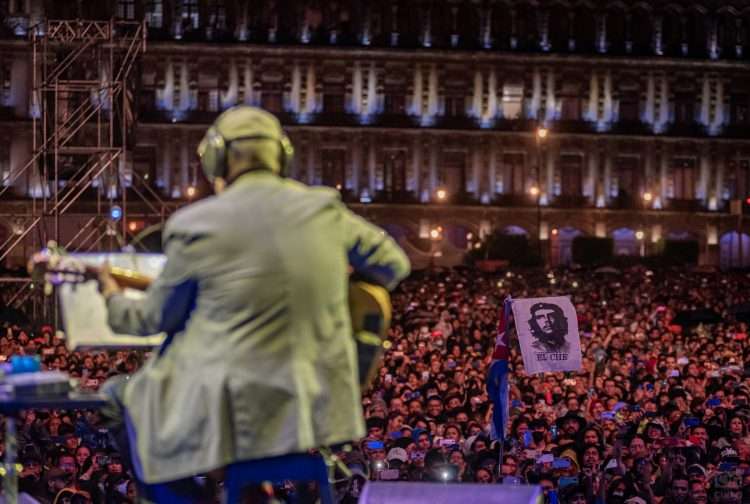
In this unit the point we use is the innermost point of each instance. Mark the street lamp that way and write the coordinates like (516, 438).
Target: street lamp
(639, 235)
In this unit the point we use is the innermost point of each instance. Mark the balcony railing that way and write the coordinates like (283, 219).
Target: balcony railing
(514, 200)
(570, 201)
(149, 114)
(685, 205)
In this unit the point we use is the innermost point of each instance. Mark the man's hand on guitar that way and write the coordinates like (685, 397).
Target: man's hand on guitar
(107, 284)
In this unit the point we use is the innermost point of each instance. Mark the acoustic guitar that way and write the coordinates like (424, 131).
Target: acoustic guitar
(369, 304)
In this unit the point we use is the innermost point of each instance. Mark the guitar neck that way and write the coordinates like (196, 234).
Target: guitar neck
(125, 278)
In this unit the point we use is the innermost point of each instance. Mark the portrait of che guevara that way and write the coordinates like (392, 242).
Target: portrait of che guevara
(549, 327)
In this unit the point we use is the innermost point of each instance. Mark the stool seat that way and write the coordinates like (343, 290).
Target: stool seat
(294, 467)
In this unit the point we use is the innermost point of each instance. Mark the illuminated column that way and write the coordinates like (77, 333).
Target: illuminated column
(474, 183)
(476, 103)
(165, 95)
(551, 104)
(593, 105)
(371, 165)
(296, 89)
(312, 143)
(413, 181)
(184, 101)
(589, 187)
(19, 87)
(432, 92)
(166, 165)
(608, 174)
(649, 109)
(549, 174)
(705, 102)
(492, 107)
(355, 106)
(663, 103)
(184, 175)
(663, 174)
(311, 97)
(371, 107)
(416, 100)
(433, 165)
(648, 168)
(247, 84)
(718, 119)
(536, 95)
(492, 176)
(356, 147)
(608, 105)
(701, 188)
(720, 164)
(229, 98)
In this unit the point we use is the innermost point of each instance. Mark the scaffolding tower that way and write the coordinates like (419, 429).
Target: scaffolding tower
(83, 118)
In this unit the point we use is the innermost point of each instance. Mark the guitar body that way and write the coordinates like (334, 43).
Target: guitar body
(370, 310)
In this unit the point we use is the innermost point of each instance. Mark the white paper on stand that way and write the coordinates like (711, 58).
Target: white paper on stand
(84, 310)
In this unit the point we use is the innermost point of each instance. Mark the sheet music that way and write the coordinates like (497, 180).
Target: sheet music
(84, 310)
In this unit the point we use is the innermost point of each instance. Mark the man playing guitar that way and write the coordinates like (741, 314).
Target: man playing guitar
(259, 359)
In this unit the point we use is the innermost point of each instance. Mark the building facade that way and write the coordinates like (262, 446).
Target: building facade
(444, 120)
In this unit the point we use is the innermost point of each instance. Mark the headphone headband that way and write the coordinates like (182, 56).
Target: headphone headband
(213, 151)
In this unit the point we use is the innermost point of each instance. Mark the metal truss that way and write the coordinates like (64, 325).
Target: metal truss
(82, 119)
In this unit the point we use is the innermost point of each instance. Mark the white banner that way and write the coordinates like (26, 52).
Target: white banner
(547, 331)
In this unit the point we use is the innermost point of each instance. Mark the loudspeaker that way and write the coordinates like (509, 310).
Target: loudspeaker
(377, 492)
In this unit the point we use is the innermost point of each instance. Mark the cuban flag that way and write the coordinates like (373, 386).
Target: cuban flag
(497, 377)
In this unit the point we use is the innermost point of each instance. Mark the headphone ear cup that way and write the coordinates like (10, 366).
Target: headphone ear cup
(286, 155)
(212, 152)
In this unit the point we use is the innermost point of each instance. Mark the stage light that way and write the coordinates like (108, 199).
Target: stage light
(338, 187)
(441, 194)
(191, 191)
(132, 226)
(647, 196)
(115, 213)
(534, 191)
(469, 236)
(434, 234)
(500, 284)
(639, 235)
(554, 231)
(575, 285)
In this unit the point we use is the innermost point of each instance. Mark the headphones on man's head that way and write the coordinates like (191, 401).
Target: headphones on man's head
(213, 151)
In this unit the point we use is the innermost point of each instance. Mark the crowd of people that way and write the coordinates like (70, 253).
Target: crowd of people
(659, 413)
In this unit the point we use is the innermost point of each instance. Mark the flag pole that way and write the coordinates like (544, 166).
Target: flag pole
(497, 380)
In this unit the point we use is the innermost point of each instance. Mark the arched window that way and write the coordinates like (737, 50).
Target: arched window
(561, 243)
(734, 250)
(625, 242)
